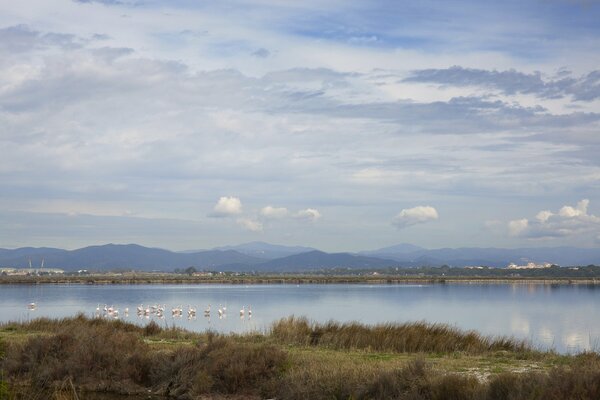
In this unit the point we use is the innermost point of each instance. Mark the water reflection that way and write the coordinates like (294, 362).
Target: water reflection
(562, 317)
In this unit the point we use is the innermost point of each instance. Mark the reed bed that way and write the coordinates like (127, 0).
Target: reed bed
(415, 337)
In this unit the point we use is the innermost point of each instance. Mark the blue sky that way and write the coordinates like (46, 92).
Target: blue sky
(344, 125)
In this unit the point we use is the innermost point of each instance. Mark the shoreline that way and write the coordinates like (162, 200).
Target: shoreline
(173, 279)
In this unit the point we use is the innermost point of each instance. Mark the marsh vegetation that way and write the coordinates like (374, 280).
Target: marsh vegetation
(295, 359)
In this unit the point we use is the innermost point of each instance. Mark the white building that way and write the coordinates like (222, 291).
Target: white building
(530, 265)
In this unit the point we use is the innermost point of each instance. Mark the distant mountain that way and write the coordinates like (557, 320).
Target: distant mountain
(319, 260)
(402, 248)
(266, 250)
(493, 257)
(130, 256)
(260, 256)
(30, 251)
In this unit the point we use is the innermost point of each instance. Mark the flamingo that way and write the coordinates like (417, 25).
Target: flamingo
(207, 311)
(242, 312)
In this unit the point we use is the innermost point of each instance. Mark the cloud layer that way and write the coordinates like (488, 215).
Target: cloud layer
(151, 110)
(511, 82)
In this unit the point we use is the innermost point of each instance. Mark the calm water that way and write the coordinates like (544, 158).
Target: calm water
(562, 317)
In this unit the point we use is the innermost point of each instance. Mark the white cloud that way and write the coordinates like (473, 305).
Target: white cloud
(569, 221)
(543, 216)
(270, 212)
(518, 226)
(227, 207)
(250, 224)
(309, 214)
(413, 216)
(577, 211)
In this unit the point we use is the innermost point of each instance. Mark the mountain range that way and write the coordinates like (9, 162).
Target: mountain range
(260, 256)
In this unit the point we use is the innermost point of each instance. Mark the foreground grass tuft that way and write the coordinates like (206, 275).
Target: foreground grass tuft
(402, 338)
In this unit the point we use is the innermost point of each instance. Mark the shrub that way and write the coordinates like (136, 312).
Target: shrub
(93, 352)
(221, 366)
(152, 329)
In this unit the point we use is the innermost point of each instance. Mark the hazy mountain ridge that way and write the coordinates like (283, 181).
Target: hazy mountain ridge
(266, 250)
(495, 257)
(318, 259)
(132, 256)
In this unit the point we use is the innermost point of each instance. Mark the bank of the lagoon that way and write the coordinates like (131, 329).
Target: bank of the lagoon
(564, 318)
(295, 359)
(578, 275)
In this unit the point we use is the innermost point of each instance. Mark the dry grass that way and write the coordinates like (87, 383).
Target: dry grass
(414, 337)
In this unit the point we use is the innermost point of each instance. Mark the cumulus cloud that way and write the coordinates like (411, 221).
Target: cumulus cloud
(518, 226)
(270, 212)
(227, 207)
(250, 224)
(413, 216)
(568, 221)
(309, 214)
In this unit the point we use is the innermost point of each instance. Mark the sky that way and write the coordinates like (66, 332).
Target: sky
(342, 125)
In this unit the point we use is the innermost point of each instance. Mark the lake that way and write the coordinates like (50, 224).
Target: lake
(565, 318)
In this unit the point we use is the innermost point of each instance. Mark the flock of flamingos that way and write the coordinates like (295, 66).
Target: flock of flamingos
(159, 311)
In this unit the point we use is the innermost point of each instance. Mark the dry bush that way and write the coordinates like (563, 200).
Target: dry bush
(456, 387)
(314, 380)
(152, 329)
(410, 382)
(221, 366)
(90, 353)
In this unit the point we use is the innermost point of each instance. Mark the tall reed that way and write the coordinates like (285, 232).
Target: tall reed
(414, 337)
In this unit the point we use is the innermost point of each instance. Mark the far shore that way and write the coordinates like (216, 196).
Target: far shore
(170, 278)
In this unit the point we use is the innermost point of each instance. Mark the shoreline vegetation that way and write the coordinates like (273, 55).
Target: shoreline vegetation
(227, 278)
(83, 358)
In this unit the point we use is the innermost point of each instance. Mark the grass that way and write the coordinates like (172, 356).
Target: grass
(401, 338)
(296, 359)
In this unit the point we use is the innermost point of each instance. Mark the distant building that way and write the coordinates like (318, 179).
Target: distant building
(529, 265)
(7, 271)
(31, 271)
